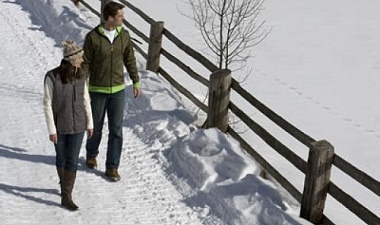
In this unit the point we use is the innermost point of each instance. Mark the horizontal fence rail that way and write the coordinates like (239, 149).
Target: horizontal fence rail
(357, 174)
(295, 132)
(89, 7)
(191, 52)
(269, 139)
(330, 188)
(185, 68)
(183, 90)
(138, 12)
(354, 206)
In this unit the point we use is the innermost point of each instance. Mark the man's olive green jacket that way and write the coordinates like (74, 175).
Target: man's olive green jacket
(104, 62)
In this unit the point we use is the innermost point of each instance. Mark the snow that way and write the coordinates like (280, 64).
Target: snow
(318, 69)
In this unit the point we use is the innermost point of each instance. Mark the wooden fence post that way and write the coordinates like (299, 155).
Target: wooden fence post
(155, 44)
(316, 181)
(219, 98)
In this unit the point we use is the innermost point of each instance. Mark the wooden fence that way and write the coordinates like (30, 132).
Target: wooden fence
(317, 169)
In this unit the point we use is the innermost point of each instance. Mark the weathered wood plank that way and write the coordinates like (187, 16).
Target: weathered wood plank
(155, 45)
(353, 205)
(295, 132)
(136, 31)
(218, 100)
(317, 180)
(297, 161)
(183, 90)
(358, 175)
(138, 12)
(191, 52)
(184, 67)
(85, 4)
(140, 50)
(327, 221)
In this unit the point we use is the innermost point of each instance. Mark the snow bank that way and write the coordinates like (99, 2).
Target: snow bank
(222, 176)
(205, 159)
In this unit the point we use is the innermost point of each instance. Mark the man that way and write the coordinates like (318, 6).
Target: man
(107, 49)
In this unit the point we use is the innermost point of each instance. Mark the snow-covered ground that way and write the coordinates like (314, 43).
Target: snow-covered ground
(317, 68)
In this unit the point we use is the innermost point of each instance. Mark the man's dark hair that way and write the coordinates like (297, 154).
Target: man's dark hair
(110, 9)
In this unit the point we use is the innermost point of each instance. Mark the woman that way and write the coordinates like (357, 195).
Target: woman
(68, 115)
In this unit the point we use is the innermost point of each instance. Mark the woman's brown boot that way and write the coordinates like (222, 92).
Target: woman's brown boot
(67, 189)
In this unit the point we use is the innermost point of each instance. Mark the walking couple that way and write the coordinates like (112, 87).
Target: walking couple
(87, 85)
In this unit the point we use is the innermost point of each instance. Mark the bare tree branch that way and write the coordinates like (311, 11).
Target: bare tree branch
(230, 28)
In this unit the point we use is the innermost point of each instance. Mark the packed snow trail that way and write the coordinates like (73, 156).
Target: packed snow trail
(29, 189)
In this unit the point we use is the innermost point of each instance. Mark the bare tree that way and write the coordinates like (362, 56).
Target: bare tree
(229, 28)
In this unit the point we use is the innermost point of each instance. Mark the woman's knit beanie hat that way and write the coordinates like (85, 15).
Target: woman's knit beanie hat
(71, 51)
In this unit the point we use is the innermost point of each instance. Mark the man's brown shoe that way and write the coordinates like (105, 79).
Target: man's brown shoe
(112, 174)
(91, 162)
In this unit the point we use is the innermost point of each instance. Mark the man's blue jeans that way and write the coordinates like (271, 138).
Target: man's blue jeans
(67, 151)
(113, 105)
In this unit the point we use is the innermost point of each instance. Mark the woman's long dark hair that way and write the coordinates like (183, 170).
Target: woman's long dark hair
(69, 72)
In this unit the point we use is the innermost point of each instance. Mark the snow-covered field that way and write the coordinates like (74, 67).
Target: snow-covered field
(317, 69)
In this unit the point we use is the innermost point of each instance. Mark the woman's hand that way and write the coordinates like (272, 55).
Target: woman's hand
(90, 132)
(53, 138)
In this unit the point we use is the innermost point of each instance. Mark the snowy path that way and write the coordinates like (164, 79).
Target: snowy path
(172, 172)
(29, 189)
